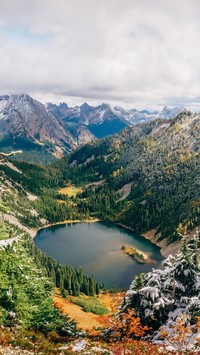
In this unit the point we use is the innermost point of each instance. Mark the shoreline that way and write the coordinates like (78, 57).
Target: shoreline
(150, 235)
(34, 231)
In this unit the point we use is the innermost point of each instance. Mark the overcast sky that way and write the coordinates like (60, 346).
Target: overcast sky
(133, 53)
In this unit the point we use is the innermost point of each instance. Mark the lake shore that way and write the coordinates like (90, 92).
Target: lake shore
(34, 231)
(151, 235)
(97, 248)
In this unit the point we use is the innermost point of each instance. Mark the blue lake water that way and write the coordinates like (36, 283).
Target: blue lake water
(96, 247)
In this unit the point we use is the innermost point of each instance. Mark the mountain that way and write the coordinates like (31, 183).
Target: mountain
(98, 122)
(25, 123)
(134, 116)
(146, 177)
(104, 120)
(44, 131)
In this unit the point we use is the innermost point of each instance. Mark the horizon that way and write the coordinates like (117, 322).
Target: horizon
(95, 103)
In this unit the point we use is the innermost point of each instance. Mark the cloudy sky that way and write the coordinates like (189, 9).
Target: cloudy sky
(134, 53)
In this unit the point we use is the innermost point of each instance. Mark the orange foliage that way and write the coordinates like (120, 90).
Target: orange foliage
(126, 326)
(5, 338)
(179, 334)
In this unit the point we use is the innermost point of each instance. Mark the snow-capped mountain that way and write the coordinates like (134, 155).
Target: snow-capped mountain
(134, 116)
(56, 129)
(104, 120)
(97, 121)
(25, 122)
(171, 112)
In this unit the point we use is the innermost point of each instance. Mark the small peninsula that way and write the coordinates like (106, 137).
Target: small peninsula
(136, 254)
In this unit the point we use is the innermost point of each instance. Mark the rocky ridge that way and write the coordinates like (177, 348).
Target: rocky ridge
(44, 131)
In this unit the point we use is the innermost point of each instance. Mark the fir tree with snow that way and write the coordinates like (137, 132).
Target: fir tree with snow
(164, 294)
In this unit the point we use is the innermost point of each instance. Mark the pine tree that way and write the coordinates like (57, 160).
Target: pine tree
(97, 289)
(159, 293)
(91, 286)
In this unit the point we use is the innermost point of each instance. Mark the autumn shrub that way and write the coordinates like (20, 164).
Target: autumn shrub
(125, 326)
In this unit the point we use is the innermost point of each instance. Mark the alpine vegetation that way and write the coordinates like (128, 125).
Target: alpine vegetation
(162, 297)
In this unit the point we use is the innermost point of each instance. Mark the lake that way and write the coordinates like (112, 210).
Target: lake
(96, 247)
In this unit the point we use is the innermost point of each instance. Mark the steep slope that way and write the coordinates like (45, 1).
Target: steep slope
(160, 161)
(25, 123)
(22, 188)
(18, 193)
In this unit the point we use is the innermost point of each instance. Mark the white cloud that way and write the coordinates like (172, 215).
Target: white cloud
(136, 53)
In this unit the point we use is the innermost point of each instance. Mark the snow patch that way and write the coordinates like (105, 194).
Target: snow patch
(2, 106)
(80, 345)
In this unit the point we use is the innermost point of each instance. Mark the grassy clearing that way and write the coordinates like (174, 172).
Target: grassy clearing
(70, 190)
(90, 304)
(89, 320)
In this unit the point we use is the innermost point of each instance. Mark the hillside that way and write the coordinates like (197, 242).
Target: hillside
(148, 177)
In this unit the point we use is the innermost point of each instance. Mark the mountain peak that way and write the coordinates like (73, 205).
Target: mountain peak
(168, 112)
(85, 105)
(20, 96)
(104, 106)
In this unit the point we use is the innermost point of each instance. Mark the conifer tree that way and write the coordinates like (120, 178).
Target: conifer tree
(157, 294)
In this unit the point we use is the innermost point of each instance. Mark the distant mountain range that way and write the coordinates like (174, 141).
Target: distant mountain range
(51, 129)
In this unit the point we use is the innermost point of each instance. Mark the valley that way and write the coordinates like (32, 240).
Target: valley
(99, 177)
(145, 178)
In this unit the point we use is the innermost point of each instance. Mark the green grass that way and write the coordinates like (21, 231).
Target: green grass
(90, 304)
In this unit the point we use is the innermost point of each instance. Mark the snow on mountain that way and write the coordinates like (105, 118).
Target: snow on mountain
(134, 116)
(23, 118)
(3, 102)
(97, 121)
(97, 115)
(171, 112)
(60, 128)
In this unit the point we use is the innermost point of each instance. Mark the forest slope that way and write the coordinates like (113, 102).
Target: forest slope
(160, 160)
